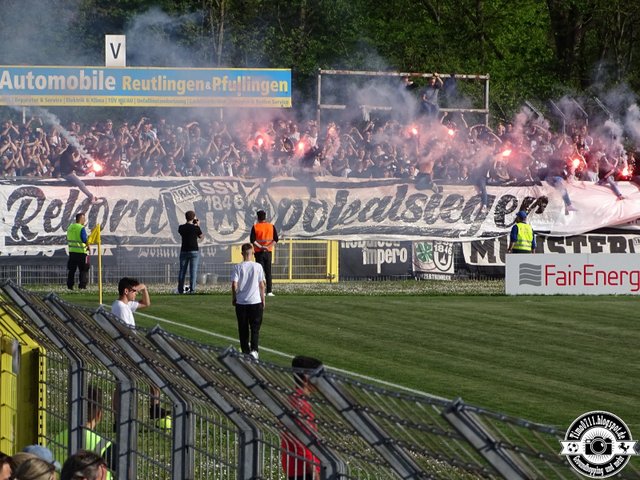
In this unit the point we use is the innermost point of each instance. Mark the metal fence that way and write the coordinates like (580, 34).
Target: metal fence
(160, 406)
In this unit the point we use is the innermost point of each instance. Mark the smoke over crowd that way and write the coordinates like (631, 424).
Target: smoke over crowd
(412, 126)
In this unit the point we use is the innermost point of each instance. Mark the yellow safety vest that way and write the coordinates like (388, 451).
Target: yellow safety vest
(524, 241)
(92, 442)
(74, 238)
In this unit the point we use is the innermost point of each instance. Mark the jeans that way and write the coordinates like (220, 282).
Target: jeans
(188, 259)
(557, 182)
(611, 183)
(74, 180)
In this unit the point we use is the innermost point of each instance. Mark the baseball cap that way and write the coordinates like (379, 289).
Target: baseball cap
(43, 453)
(521, 214)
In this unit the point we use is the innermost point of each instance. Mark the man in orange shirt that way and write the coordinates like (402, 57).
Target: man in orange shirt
(263, 237)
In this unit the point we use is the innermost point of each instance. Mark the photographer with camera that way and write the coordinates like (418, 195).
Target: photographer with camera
(189, 252)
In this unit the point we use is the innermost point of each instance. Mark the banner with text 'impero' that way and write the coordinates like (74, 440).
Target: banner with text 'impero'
(572, 274)
(144, 87)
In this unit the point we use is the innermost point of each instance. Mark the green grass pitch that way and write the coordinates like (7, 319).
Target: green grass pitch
(547, 359)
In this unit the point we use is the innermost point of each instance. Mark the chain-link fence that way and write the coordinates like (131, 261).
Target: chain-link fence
(159, 406)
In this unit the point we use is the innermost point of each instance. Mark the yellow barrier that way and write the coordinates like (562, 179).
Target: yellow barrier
(301, 261)
(21, 385)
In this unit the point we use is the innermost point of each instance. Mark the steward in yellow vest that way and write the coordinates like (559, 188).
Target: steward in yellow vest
(522, 239)
(77, 243)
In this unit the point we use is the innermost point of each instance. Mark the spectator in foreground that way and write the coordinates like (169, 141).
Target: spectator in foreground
(298, 461)
(126, 304)
(6, 466)
(44, 453)
(84, 465)
(32, 467)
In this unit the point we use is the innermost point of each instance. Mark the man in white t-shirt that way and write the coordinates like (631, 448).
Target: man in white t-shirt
(123, 308)
(248, 289)
(126, 303)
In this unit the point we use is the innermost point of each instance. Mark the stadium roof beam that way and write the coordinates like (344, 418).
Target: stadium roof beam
(581, 110)
(603, 107)
(534, 109)
(561, 114)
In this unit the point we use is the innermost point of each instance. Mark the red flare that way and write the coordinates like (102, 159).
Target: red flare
(414, 131)
(575, 162)
(301, 146)
(626, 172)
(260, 141)
(506, 152)
(97, 168)
(451, 132)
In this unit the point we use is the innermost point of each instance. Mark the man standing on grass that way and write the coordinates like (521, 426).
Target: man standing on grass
(189, 251)
(248, 290)
(263, 237)
(77, 243)
(522, 239)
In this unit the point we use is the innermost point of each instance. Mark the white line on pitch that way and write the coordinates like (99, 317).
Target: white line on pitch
(286, 355)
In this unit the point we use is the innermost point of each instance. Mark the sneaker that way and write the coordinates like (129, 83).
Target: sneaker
(270, 294)
(570, 208)
(254, 354)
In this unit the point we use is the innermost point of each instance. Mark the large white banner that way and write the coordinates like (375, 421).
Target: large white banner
(141, 212)
(572, 274)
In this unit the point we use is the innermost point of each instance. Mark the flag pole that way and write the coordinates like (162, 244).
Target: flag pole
(99, 266)
(95, 239)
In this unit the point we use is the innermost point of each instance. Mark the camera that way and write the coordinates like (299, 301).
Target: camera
(598, 446)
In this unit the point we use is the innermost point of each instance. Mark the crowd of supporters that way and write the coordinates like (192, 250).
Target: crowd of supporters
(445, 149)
